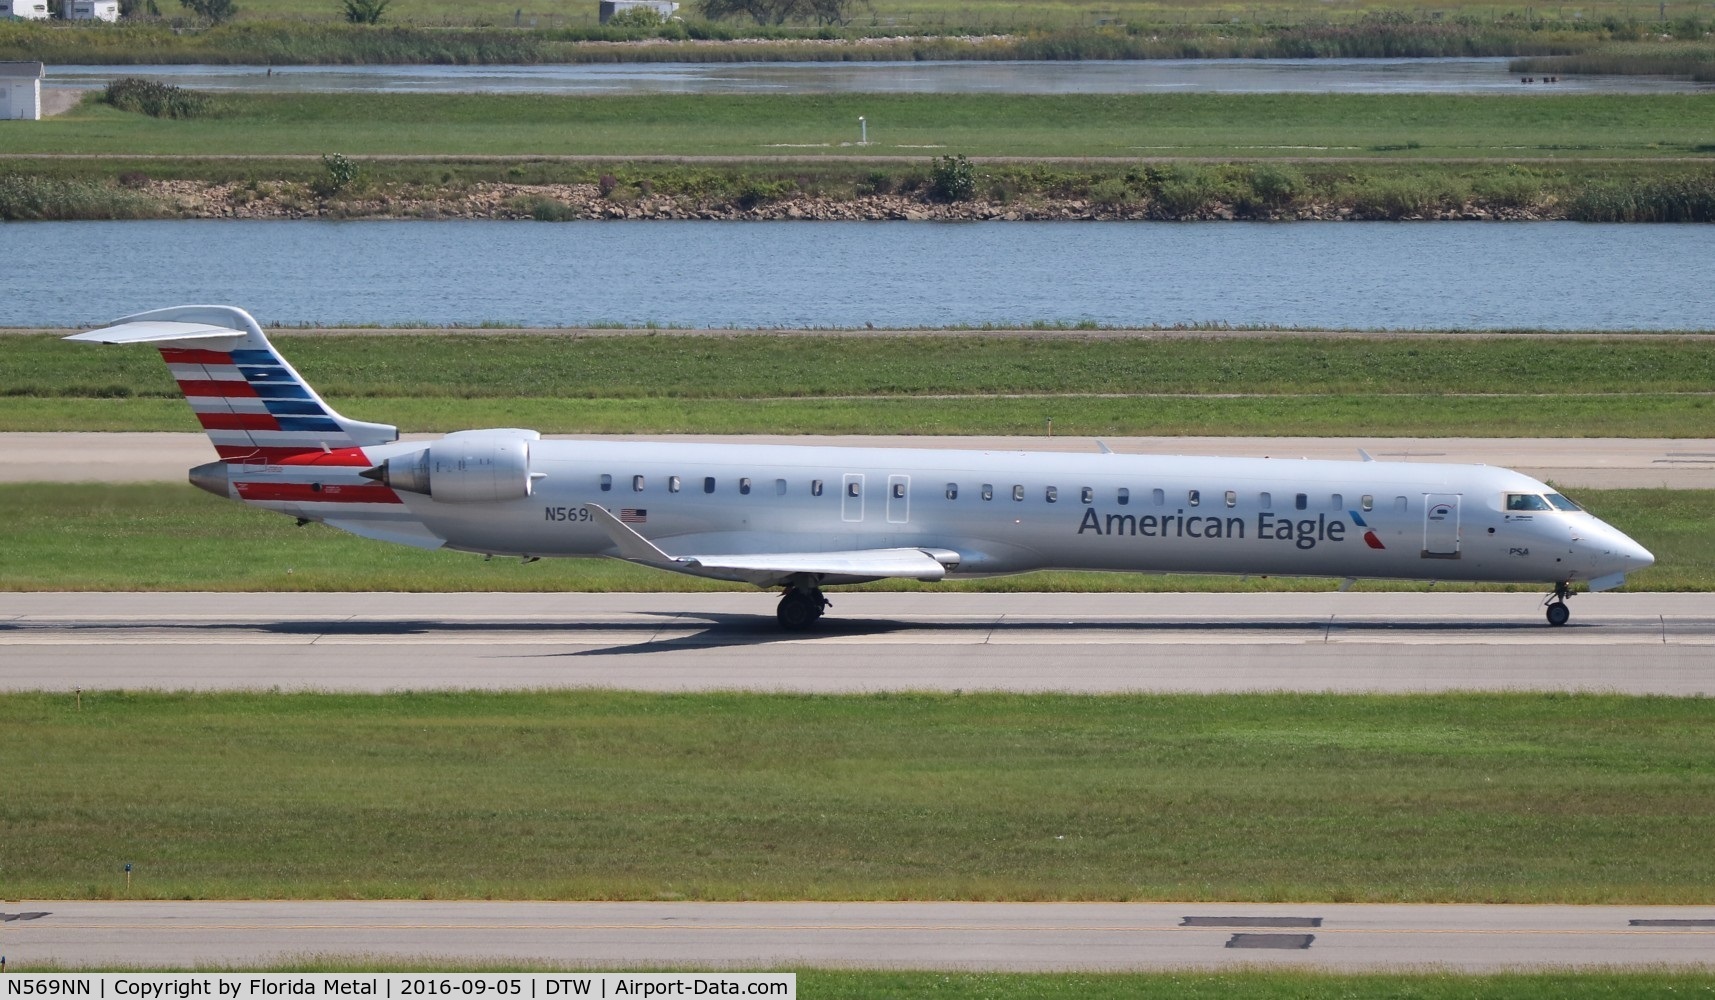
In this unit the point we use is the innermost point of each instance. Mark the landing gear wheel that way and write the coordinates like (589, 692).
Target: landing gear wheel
(800, 609)
(1558, 612)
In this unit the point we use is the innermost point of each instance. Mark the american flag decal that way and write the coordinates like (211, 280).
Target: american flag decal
(633, 515)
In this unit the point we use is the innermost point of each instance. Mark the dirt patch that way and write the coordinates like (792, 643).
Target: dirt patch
(56, 101)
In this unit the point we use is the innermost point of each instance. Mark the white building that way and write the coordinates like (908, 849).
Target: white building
(88, 10)
(20, 89)
(665, 8)
(33, 10)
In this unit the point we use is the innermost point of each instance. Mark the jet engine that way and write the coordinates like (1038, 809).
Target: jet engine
(467, 467)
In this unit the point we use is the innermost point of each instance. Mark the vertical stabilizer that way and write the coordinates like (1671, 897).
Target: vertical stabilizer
(254, 406)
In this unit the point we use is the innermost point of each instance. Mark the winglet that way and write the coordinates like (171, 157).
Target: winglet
(633, 547)
(1365, 455)
(1103, 445)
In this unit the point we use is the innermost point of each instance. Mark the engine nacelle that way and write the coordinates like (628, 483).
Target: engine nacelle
(467, 467)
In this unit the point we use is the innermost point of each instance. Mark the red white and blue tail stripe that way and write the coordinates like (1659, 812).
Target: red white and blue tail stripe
(256, 408)
(280, 445)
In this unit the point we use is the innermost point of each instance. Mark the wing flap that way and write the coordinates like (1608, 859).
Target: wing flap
(916, 564)
(767, 569)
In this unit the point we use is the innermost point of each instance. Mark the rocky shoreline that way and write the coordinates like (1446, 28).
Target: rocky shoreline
(561, 202)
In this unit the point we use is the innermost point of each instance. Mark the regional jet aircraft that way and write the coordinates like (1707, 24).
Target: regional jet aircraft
(803, 517)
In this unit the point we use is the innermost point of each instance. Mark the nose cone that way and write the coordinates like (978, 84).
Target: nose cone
(1633, 555)
(1612, 555)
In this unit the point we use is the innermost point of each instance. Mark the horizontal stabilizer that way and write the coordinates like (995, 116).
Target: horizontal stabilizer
(154, 332)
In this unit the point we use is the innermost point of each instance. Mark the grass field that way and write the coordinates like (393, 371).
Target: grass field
(611, 795)
(1525, 127)
(1632, 385)
(1246, 984)
(173, 537)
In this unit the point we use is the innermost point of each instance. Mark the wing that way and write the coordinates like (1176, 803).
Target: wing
(769, 569)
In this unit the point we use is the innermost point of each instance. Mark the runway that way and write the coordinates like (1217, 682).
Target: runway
(1086, 643)
(946, 935)
(1597, 463)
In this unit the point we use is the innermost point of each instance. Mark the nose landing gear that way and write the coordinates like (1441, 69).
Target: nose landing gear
(1558, 613)
(800, 608)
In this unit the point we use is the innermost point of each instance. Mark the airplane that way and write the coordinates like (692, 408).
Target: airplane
(803, 517)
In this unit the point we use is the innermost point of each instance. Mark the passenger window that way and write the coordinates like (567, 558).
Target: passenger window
(1339, 501)
(1194, 497)
(988, 491)
(952, 491)
(1018, 493)
(1052, 494)
(1232, 498)
(780, 487)
(744, 485)
(637, 484)
(673, 484)
(854, 488)
(1301, 501)
(898, 491)
(1124, 496)
(815, 487)
(1401, 505)
(1159, 497)
(1367, 502)
(606, 482)
(1526, 501)
(708, 484)
(1266, 500)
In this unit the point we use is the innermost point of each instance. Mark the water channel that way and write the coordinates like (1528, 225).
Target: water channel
(1237, 76)
(890, 274)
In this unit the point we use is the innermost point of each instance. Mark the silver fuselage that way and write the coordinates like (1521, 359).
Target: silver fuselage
(1013, 512)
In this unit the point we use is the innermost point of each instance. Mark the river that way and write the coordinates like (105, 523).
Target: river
(1353, 275)
(1231, 76)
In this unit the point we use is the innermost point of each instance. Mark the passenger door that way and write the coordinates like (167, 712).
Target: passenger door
(1441, 526)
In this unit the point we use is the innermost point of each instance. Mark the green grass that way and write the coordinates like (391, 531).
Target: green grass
(1633, 385)
(1407, 415)
(171, 537)
(611, 795)
(1243, 984)
(1216, 125)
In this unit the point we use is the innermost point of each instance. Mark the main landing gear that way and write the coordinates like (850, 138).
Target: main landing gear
(1558, 613)
(800, 607)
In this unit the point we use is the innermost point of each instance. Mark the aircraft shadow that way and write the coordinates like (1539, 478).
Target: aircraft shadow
(720, 629)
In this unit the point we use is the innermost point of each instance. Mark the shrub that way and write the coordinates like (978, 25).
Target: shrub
(155, 99)
(606, 183)
(952, 178)
(338, 173)
(1276, 185)
(1111, 192)
(364, 11)
(215, 11)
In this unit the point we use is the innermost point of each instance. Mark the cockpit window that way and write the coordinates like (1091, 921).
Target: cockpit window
(1561, 503)
(1526, 501)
